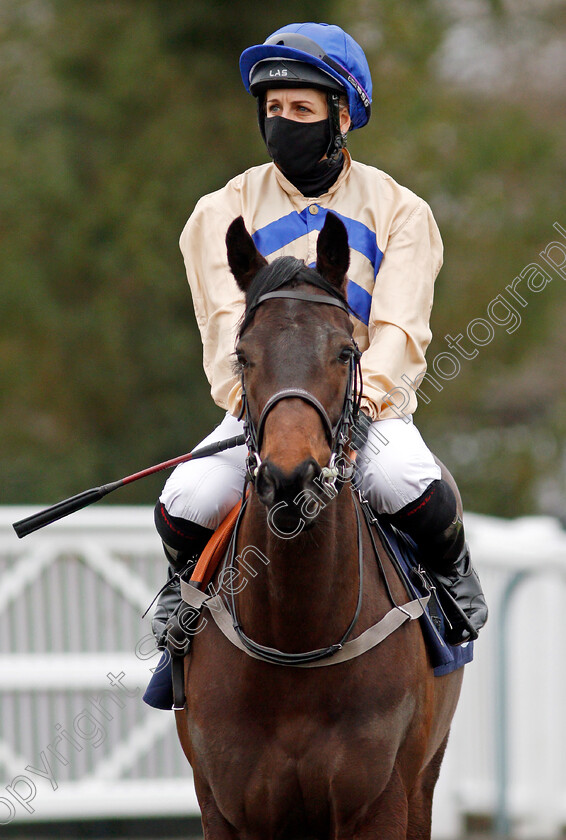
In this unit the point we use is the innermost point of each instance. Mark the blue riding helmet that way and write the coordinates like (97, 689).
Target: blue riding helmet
(326, 47)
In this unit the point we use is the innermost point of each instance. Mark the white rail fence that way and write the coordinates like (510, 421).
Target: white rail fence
(77, 742)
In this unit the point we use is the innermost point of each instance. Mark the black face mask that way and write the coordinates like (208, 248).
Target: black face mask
(296, 147)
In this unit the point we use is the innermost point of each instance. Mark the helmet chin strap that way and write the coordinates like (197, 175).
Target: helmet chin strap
(261, 115)
(337, 139)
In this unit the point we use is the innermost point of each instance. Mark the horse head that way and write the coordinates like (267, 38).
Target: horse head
(296, 356)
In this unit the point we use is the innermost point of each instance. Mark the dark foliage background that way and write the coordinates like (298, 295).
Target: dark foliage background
(115, 118)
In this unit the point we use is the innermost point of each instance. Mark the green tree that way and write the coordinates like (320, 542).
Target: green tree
(116, 117)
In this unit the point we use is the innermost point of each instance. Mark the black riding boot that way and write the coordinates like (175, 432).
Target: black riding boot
(433, 522)
(183, 542)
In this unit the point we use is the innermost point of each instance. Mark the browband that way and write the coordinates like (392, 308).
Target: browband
(303, 296)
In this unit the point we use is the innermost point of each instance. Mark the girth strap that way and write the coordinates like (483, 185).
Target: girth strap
(367, 640)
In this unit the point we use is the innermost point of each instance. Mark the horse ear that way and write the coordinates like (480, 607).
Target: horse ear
(243, 257)
(333, 252)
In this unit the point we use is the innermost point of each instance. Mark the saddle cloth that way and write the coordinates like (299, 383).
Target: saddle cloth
(444, 658)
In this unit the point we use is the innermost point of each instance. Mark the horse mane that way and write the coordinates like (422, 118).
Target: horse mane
(284, 271)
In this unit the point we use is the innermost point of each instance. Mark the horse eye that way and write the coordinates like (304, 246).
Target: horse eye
(241, 359)
(345, 355)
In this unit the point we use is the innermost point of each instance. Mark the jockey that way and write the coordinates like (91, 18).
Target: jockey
(312, 84)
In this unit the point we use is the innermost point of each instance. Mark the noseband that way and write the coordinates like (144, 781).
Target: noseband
(337, 435)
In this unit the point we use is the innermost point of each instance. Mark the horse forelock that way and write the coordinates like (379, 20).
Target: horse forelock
(283, 272)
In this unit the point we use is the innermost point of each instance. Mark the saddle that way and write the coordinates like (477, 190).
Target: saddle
(214, 550)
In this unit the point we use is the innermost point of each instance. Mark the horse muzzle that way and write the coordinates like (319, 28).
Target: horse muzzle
(273, 485)
(293, 499)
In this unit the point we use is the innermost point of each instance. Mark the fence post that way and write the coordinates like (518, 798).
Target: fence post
(502, 819)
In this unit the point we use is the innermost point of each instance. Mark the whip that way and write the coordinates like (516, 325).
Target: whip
(87, 497)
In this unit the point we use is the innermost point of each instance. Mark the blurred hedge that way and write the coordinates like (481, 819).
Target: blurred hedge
(117, 116)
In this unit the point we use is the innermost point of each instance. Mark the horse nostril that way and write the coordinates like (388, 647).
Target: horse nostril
(266, 484)
(272, 485)
(310, 473)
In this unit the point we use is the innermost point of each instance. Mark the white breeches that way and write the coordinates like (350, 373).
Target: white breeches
(396, 466)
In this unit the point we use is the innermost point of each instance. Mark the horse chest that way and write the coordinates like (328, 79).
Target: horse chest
(309, 765)
(293, 779)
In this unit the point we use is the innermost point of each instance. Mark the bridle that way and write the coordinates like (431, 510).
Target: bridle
(337, 434)
(223, 607)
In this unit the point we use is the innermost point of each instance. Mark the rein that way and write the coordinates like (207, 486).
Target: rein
(279, 657)
(223, 612)
(222, 604)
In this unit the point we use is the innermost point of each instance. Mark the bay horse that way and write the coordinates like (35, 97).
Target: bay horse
(280, 751)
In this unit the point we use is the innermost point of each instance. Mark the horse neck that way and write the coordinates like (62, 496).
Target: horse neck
(302, 592)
